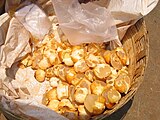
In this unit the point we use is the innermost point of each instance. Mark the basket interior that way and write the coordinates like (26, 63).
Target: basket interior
(135, 43)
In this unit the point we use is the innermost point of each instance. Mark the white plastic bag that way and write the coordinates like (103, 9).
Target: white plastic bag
(34, 20)
(85, 23)
(127, 12)
(16, 44)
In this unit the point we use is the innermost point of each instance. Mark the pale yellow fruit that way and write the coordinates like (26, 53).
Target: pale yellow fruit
(53, 104)
(51, 55)
(101, 60)
(110, 80)
(61, 53)
(83, 114)
(50, 72)
(80, 95)
(77, 53)
(54, 44)
(40, 75)
(54, 82)
(107, 56)
(102, 71)
(46, 39)
(113, 95)
(93, 48)
(81, 66)
(36, 59)
(44, 63)
(76, 47)
(62, 72)
(110, 105)
(62, 90)
(105, 95)
(65, 104)
(27, 60)
(65, 43)
(124, 71)
(92, 60)
(94, 104)
(116, 62)
(67, 59)
(84, 84)
(20, 65)
(71, 92)
(123, 83)
(78, 77)
(70, 75)
(122, 55)
(56, 69)
(51, 94)
(114, 71)
(45, 100)
(50, 42)
(97, 87)
(89, 75)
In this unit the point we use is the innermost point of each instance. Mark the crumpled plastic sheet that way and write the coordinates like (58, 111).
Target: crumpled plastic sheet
(34, 20)
(85, 23)
(16, 44)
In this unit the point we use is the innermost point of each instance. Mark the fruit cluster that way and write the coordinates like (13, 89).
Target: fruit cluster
(85, 79)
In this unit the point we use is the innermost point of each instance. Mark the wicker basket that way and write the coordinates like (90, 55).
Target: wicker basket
(135, 42)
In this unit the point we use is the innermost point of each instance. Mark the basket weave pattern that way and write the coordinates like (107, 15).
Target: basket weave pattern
(136, 44)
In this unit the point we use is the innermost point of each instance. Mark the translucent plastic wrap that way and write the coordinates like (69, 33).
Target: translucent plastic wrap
(85, 23)
(34, 20)
(127, 12)
(16, 44)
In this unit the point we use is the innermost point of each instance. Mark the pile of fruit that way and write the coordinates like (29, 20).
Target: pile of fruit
(86, 79)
